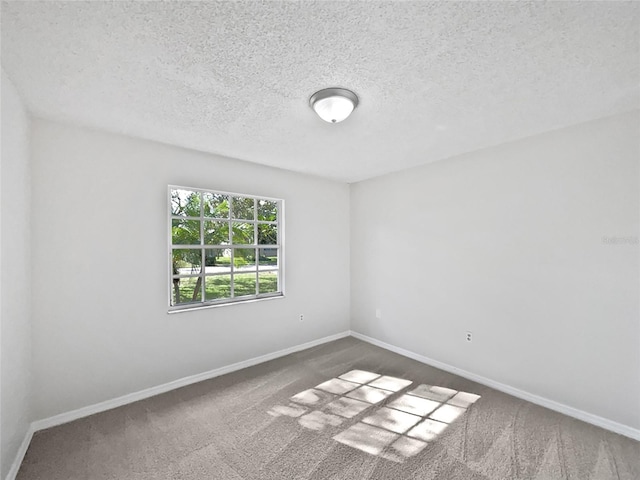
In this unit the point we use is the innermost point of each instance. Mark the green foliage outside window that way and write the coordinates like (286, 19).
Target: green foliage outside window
(208, 227)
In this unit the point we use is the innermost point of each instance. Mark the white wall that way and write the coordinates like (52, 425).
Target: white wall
(15, 312)
(507, 242)
(101, 327)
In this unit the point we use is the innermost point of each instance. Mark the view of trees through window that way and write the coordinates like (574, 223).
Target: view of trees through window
(224, 247)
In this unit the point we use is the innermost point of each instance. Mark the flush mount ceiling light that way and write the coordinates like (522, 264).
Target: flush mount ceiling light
(333, 105)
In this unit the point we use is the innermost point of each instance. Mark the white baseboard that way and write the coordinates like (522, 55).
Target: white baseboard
(610, 425)
(150, 392)
(22, 451)
(182, 382)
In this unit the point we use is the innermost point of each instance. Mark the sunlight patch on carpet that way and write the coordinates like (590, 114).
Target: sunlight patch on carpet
(378, 414)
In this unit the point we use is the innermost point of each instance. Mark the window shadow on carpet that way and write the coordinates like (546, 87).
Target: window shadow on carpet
(381, 415)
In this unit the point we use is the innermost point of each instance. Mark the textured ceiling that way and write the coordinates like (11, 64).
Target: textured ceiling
(234, 78)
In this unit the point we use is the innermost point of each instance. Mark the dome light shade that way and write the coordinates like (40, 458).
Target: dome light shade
(333, 105)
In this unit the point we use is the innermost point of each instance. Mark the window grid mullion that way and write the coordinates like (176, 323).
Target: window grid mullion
(202, 251)
(278, 249)
(236, 245)
(231, 246)
(256, 257)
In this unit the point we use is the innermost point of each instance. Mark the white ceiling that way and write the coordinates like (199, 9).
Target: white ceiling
(234, 78)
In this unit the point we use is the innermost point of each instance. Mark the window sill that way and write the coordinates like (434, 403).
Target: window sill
(183, 309)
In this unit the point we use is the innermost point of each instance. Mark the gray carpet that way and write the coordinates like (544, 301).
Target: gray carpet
(344, 410)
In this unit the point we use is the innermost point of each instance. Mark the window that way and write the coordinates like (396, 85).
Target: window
(224, 247)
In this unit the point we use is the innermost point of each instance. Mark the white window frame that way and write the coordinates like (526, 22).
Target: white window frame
(203, 303)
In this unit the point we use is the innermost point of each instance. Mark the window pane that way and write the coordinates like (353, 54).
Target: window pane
(216, 233)
(185, 203)
(215, 205)
(217, 260)
(244, 259)
(268, 282)
(267, 234)
(244, 284)
(186, 290)
(242, 208)
(242, 233)
(186, 262)
(185, 232)
(268, 257)
(218, 286)
(267, 210)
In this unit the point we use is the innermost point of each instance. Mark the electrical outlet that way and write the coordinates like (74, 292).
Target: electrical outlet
(301, 317)
(469, 337)
(378, 313)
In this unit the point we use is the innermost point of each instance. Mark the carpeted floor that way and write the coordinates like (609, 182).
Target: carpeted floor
(386, 417)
